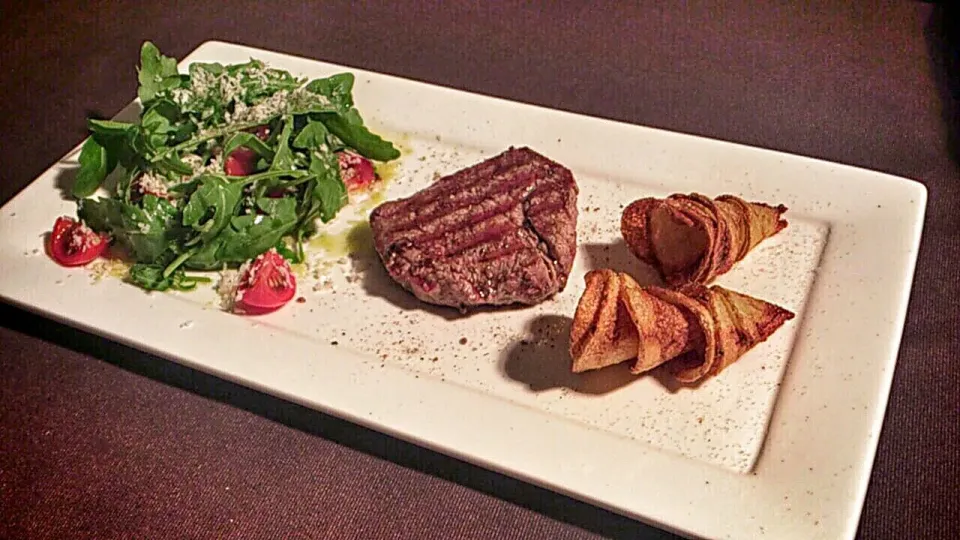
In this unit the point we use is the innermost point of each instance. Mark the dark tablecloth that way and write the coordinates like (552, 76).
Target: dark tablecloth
(101, 441)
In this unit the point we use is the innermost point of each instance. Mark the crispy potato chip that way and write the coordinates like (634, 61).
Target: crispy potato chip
(692, 239)
(698, 332)
(602, 333)
(740, 322)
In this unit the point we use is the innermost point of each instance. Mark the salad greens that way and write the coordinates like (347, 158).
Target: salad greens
(176, 207)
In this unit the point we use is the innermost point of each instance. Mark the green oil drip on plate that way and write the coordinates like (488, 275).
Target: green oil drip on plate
(357, 238)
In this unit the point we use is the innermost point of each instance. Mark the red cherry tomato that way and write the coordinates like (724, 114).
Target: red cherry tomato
(243, 161)
(74, 244)
(266, 285)
(356, 171)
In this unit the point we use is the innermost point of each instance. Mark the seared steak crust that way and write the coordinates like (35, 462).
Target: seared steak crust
(500, 232)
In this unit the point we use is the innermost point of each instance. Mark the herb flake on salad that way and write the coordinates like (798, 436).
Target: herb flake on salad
(228, 166)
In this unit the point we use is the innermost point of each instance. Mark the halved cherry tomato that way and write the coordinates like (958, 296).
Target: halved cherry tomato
(356, 171)
(74, 244)
(266, 285)
(243, 161)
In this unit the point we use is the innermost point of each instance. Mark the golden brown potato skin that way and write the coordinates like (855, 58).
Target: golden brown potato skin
(697, 332)
(693, 239)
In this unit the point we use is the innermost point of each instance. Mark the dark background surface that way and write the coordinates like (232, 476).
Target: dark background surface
(98, 440)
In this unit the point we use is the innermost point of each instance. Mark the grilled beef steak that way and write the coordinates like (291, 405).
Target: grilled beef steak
(500, 232)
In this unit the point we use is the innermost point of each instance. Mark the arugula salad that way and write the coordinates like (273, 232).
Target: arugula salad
(228, 166)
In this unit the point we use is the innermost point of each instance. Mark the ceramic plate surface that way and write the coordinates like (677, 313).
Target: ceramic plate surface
(780, 444)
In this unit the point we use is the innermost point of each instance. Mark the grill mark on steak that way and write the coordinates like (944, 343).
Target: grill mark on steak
(541, 242)
(457, 201)
(480, 236)
(458, 218)
(487, 174)
(500, 232)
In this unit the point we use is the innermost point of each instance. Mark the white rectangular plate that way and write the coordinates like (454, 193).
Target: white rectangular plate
(781, 443)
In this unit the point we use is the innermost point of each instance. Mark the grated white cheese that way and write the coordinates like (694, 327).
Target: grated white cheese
(197, 163)
(77, 240)
(230, 89)
(201, 82)
(303, 95)
(258, 74)
(227, 287)
(262, 111)
(181, 95)
(153, 184)
(194, 161)
(215, 165)
(226, 89)
(239, 111)
(101, 268)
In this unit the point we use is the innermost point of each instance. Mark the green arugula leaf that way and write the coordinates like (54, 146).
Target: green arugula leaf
(332, 196)
(313, 135)
(173, 164)
(183, 131)
(124, 184)
(95, 165)
(147, 229)
(101, 215)
(259, 81)
(361, 139)
(353, 117)
(151, 278)
(251, 235)
(288, 253)
(283, 208)
(116, 138)
(110, 128)
(329, 191)
(283, 159)
(165, 108)
(153, 72)
(211, 206)
(248, 140)
(207, 257)
(158, 123)
(161, 125)
(337, 89)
